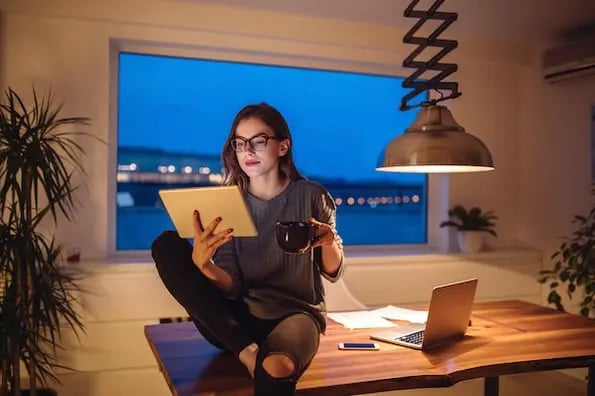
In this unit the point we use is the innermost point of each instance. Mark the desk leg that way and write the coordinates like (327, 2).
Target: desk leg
(491, 385)
(591, 381)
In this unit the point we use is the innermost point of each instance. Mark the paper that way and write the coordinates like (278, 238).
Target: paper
(396, 313)
(360, 319)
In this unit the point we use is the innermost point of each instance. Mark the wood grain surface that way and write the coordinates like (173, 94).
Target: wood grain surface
(505, 337)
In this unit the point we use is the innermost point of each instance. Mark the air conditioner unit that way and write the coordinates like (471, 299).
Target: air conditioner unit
(569, 61)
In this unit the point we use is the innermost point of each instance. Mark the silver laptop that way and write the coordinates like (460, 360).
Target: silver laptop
(448, 318)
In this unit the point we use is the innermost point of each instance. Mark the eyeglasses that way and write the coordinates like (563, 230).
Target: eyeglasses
(258, 142)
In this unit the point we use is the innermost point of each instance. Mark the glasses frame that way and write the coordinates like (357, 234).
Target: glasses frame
(249, 142)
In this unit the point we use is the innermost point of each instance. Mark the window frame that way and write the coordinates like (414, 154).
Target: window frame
(437, 184)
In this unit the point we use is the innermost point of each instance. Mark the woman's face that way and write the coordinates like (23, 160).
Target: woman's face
(257, 148)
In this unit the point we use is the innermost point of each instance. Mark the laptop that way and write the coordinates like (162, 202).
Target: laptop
(448, 318)
(211, 202)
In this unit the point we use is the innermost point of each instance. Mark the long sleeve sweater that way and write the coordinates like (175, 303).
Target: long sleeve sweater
(272, 282)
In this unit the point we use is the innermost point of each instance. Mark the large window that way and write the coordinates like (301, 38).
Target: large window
(174, 115)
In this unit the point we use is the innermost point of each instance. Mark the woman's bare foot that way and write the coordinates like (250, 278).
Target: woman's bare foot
(248, 357)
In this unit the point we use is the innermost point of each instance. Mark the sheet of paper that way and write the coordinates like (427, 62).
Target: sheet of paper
(397, 313)
(360, 319)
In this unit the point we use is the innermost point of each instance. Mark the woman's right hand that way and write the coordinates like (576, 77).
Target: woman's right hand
(206, 241)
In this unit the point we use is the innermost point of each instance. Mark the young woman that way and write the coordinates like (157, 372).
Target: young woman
(246, 295)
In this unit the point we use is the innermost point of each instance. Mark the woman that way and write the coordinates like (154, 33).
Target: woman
(246, 295)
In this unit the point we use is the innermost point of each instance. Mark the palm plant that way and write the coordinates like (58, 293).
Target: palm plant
(38, 158)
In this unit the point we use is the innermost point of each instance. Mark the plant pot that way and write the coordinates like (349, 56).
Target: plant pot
(470, 241)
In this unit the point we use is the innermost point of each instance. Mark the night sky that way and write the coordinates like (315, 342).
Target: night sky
(339, 121)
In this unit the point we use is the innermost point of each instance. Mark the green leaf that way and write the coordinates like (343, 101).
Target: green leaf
(553, 297)
(450, 224)
(564, 275)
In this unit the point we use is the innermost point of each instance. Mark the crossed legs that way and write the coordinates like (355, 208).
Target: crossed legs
(275, 352)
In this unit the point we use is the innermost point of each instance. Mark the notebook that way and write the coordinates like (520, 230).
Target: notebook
(448, 318)
(211, 202)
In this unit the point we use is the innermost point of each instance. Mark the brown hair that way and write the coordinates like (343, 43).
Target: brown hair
(273, 118)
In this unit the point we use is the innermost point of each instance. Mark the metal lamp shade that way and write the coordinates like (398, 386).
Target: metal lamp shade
(435, 143)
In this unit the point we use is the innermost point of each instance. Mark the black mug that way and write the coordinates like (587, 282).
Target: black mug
(295, 236)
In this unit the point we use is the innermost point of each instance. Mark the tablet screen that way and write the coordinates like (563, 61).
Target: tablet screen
(211, 202)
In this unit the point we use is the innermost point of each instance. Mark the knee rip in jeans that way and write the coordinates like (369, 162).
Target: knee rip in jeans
(279, 365)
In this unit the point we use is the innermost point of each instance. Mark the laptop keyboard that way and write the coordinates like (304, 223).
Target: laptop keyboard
(413, 338)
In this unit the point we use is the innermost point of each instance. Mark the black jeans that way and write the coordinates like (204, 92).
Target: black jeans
(228, 324)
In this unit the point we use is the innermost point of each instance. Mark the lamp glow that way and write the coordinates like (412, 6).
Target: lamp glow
(435, 142)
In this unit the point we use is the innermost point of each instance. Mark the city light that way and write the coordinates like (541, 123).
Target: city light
(123, 177)
(374, 202)
(127, 168)
(166, 174)
(216, 178)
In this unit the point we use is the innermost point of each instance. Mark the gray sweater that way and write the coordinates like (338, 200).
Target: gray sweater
(274, 283)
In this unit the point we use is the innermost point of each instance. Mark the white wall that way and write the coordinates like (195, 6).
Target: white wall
(555, 167)
(555, 148)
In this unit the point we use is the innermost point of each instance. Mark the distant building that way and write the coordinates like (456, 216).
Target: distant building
(145, 165)
(142, 172)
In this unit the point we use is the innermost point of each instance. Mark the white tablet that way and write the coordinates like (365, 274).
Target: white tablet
(211, 202)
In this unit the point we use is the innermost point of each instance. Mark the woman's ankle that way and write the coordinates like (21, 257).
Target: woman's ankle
(248, 357)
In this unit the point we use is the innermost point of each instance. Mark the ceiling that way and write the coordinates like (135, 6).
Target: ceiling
(484, 19)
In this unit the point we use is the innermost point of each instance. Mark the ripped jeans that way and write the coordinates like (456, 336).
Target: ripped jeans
(228, 324)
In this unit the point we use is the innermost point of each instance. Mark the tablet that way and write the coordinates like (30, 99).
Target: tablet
(211, 202)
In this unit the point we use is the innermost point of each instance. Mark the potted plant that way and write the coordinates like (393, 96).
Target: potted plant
(471, 225)
(38, 158)
(574, 265)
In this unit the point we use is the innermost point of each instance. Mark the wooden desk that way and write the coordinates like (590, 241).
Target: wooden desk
(506, 337)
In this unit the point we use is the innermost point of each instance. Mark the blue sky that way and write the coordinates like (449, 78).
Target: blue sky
(339, 121)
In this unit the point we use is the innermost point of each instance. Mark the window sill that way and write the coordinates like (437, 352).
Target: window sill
(142, 263)
(408, 256)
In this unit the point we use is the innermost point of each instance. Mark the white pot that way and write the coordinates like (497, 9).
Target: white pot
(470, 241)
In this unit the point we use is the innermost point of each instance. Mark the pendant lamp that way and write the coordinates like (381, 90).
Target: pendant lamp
(435, 142)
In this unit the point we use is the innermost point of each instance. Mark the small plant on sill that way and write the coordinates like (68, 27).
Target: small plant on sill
(471, 225)
(473, 220)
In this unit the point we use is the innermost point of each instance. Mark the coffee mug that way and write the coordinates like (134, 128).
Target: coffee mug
(295, 236)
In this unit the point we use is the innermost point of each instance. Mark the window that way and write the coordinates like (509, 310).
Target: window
(174, 115)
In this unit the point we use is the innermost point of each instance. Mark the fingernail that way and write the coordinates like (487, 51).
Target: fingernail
(230, 230)
(218, 219)
(195, 212)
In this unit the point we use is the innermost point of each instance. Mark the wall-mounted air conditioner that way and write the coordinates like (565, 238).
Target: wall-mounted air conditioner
(572, 60)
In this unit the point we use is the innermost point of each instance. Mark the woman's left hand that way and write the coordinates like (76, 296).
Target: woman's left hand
(325, 234)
